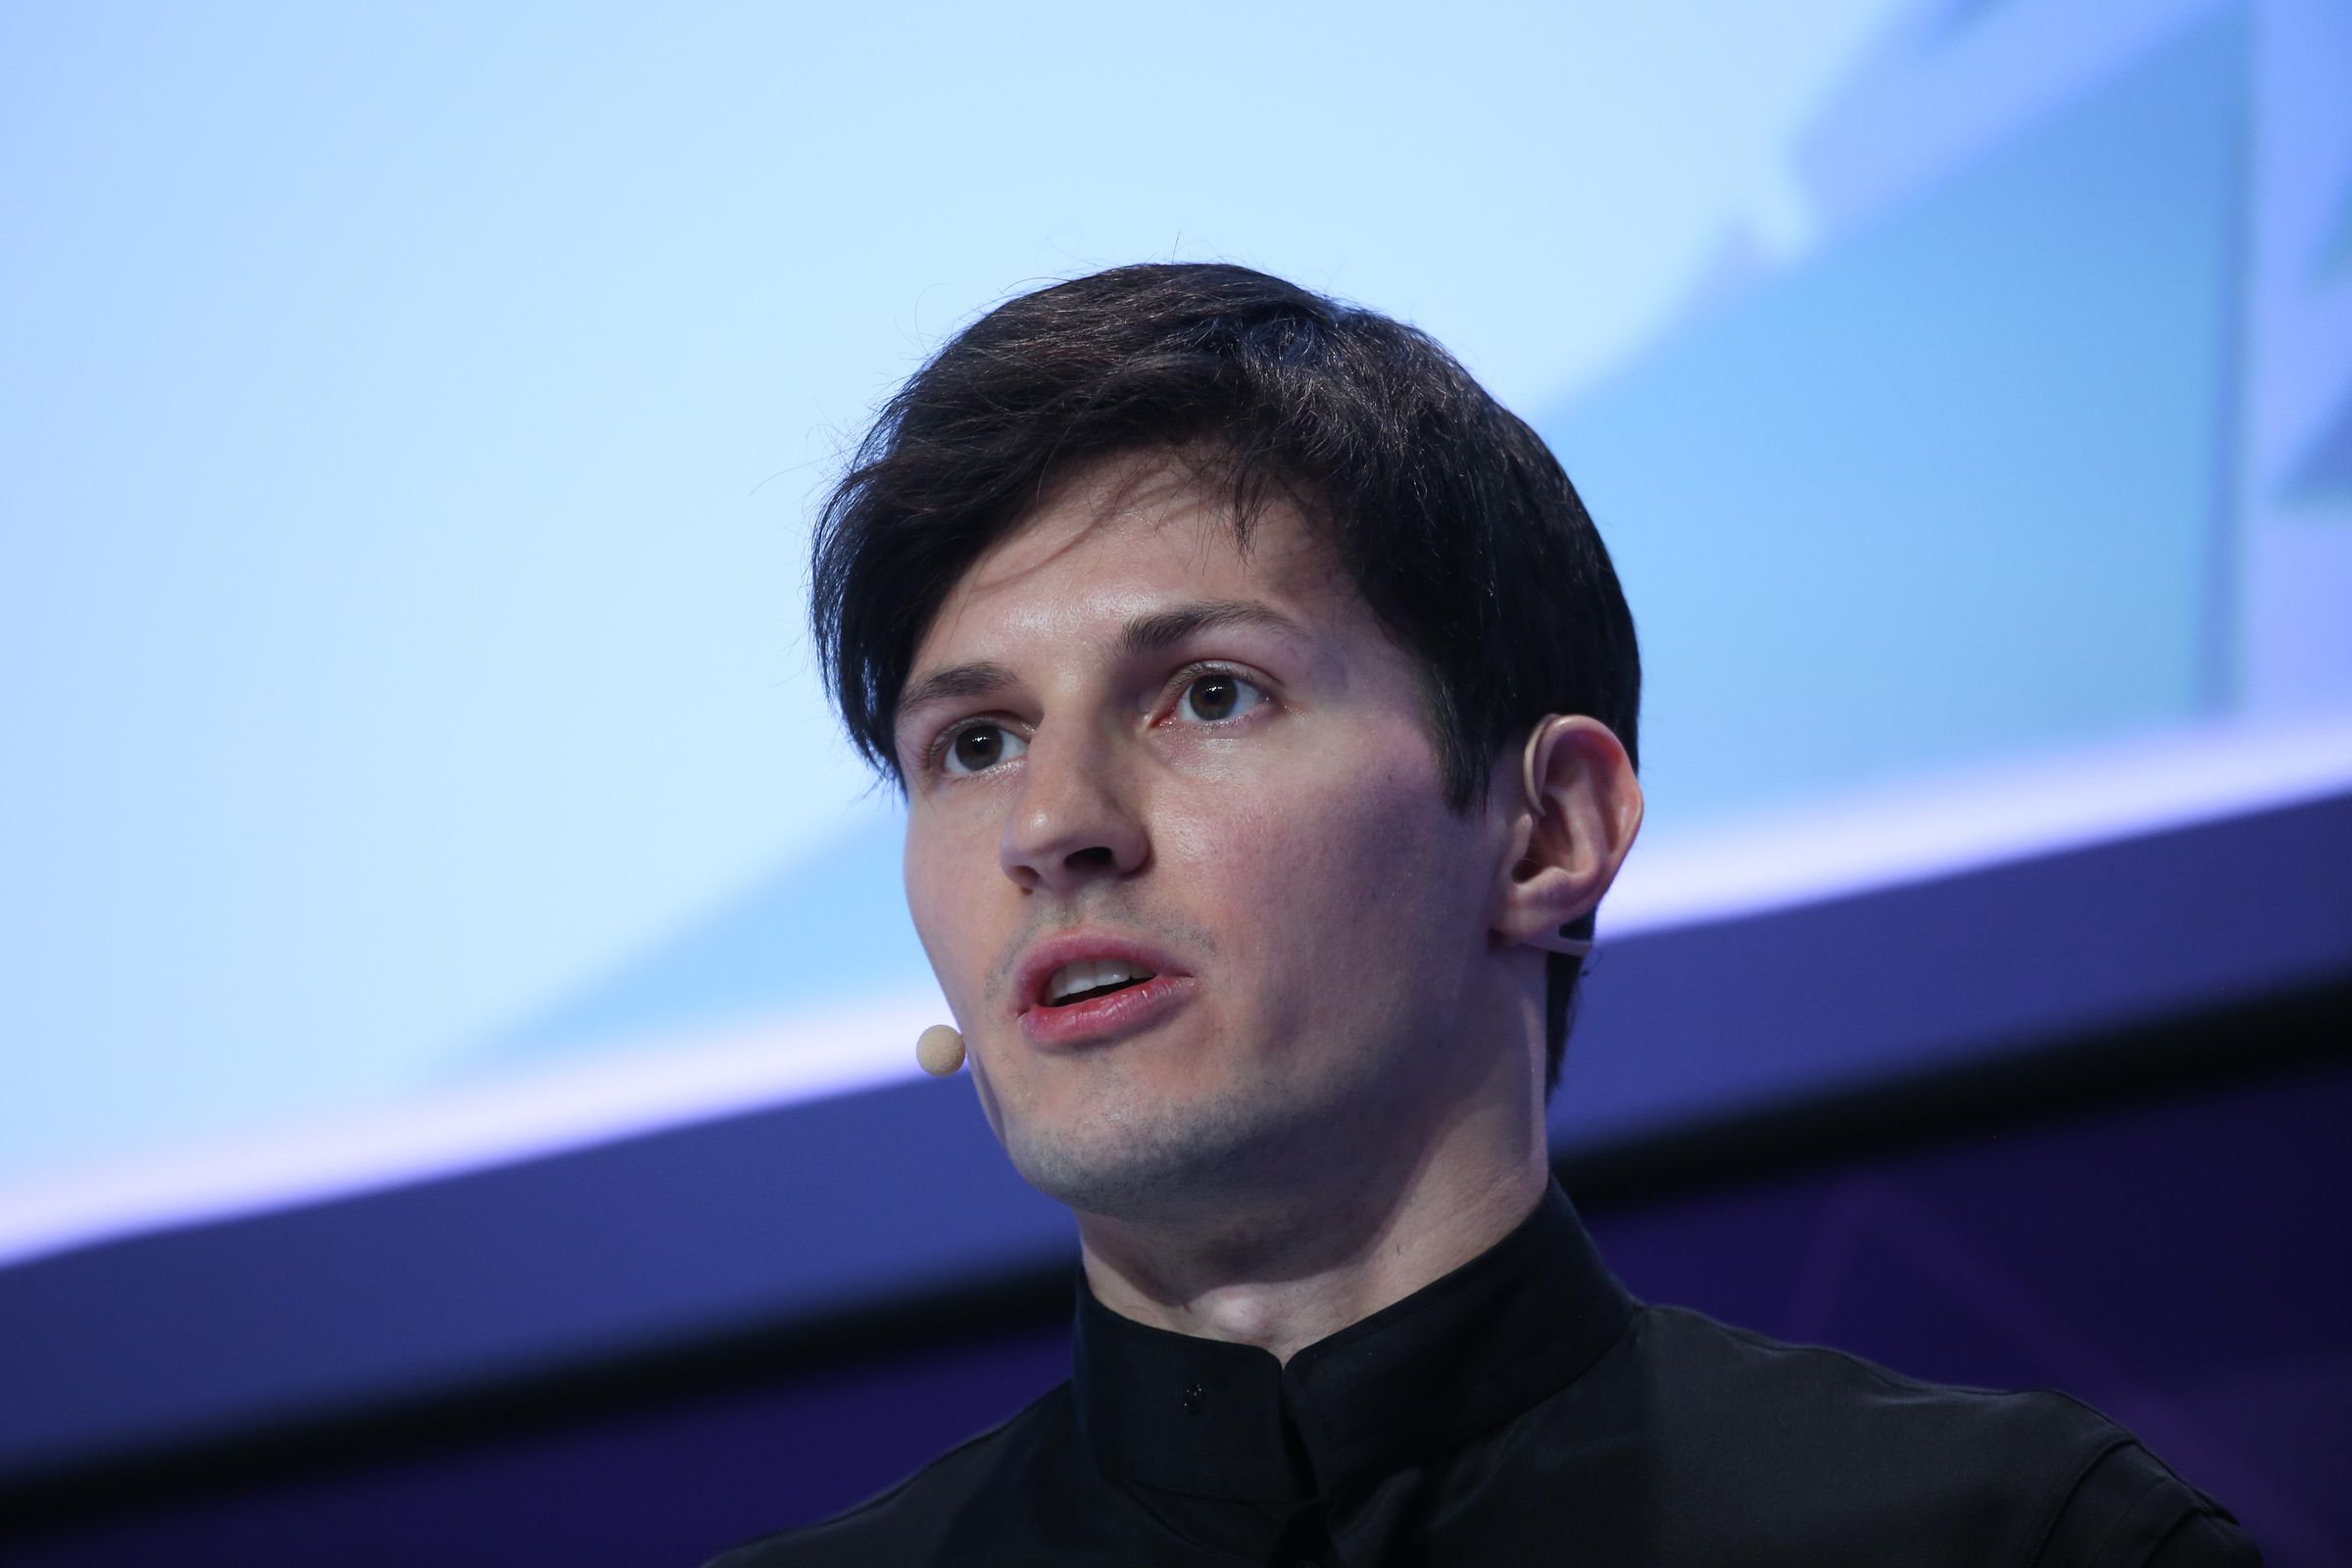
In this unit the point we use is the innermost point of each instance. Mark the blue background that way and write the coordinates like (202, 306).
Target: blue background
(410, 420)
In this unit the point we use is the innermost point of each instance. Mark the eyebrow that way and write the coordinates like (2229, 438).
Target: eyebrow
(1157, 633)
(1144, 636)
(974, 680)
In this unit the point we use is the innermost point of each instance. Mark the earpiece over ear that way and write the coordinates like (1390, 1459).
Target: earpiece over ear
(940, 1050)
(1573, 946)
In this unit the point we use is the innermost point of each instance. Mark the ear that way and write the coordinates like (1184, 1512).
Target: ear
(1578, 811)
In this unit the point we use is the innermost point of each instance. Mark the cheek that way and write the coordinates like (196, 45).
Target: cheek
(944, 899)
(1334, 880)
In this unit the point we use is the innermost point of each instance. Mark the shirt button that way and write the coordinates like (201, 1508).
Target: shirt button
(1194, 1396)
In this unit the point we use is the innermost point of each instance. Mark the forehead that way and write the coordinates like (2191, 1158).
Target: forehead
(1131, 536)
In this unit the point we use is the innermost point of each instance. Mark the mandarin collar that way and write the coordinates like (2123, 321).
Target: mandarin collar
(1464, 1352)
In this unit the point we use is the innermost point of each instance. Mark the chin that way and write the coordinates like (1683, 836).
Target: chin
(1155, 1164)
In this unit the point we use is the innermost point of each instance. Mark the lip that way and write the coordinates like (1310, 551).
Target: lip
(1101, 1019)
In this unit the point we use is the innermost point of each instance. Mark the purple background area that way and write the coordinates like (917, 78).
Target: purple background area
(774, 1222)
(2177, 1260)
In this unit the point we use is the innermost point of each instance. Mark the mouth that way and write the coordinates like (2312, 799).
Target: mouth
(1079, 966)
(1088, 987)
(1098, 1015)
(1074, 984)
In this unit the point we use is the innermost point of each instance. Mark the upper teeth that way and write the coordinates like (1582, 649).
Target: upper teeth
(1072, 978)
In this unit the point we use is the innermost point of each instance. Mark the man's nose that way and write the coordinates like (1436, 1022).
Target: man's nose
(1073, 818)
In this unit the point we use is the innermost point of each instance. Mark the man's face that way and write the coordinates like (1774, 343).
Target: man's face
(1259, 809)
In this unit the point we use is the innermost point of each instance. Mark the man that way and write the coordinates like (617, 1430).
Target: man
(1265, 705)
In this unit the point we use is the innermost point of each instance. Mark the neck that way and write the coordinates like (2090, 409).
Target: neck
(1302, 1263)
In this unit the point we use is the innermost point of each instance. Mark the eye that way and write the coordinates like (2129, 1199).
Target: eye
(1218, 694)
(976, 747)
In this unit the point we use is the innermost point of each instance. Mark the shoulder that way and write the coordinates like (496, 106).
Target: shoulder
(2129, 1507)
(1820, 1442)
(1697, 1369)
(921, 1518)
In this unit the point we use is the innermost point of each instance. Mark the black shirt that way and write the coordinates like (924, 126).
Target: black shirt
(1523, 1409)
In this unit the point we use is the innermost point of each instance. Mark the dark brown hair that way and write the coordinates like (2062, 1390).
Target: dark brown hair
(1449, 515)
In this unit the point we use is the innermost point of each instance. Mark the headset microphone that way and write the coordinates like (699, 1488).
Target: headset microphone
(940, 1050)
